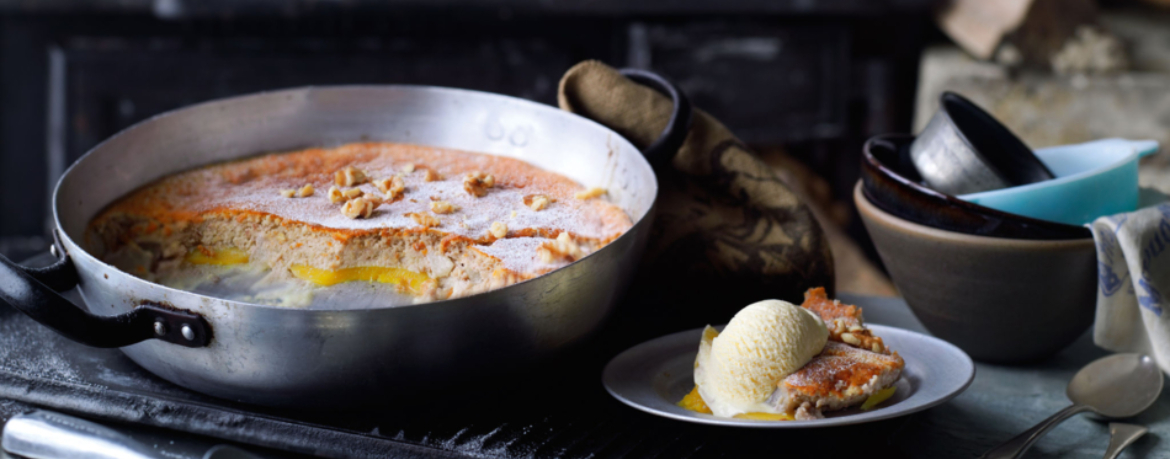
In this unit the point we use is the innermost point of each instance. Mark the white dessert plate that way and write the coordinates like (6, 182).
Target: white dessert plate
(655, 375)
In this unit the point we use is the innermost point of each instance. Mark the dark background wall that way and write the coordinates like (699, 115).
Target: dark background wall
(816, 77)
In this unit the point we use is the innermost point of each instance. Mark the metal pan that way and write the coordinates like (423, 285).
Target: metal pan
(329, 358)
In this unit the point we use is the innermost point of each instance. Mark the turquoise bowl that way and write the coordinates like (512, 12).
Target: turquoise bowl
(1093, 179)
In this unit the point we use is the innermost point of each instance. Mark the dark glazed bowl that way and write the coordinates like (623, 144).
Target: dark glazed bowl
(1001, 300)
(891, 182)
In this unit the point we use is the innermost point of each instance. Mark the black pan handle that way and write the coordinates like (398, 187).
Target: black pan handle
(662, 151)
(33, 291)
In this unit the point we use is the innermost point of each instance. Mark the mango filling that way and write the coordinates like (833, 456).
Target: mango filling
(221, 257)
(878, 397)
(409, 281)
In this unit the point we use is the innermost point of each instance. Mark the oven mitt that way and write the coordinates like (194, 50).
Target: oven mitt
(728, 231)
(1133, 282)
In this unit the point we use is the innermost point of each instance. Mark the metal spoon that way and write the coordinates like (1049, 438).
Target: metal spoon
(1122, 435)
(1117, 386)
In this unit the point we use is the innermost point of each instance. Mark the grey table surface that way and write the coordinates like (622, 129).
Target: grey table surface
(1000, 403)
(1005, 400)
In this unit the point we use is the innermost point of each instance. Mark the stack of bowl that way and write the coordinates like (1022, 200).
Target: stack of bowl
(1002, 286)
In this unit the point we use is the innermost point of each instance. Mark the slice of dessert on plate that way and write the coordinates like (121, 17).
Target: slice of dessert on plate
(779, 361)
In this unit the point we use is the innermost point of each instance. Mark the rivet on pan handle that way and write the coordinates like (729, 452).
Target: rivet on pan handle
(34, 292)
(662, 151)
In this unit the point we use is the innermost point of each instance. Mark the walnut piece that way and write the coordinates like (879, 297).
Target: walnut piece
(338, 195)
(590, 193)
(426, 220)
(442, 207)
(335, 195)
(537, 202)
(392, 187)
(304, 192)
(360, 207)
(431, 176)
(350, 176)
(477, 183)
(498, 229)
(408, 168)
(563, 248)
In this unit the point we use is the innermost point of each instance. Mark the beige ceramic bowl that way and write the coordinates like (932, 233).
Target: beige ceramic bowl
(1001, 300)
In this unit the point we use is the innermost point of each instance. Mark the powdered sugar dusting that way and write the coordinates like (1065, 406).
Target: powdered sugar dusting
(472, 218)
(842, 363)
(255, 184)
(519, 254)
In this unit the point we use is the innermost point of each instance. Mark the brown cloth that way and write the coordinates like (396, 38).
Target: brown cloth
(728, 231)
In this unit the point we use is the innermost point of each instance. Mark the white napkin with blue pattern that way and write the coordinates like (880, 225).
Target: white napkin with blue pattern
(1133, 281)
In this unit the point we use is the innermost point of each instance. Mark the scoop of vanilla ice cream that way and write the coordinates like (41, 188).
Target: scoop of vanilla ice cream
(765, 342)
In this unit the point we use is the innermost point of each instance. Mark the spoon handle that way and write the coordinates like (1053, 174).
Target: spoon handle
(1122, 435)
(1015, 447)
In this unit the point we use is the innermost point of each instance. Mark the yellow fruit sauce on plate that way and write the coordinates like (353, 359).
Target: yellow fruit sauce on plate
(694, 402)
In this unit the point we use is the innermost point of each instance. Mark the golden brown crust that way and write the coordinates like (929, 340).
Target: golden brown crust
(844, 321)
(250, 188)
(839, 368)
(186, 195)
(854, 365)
